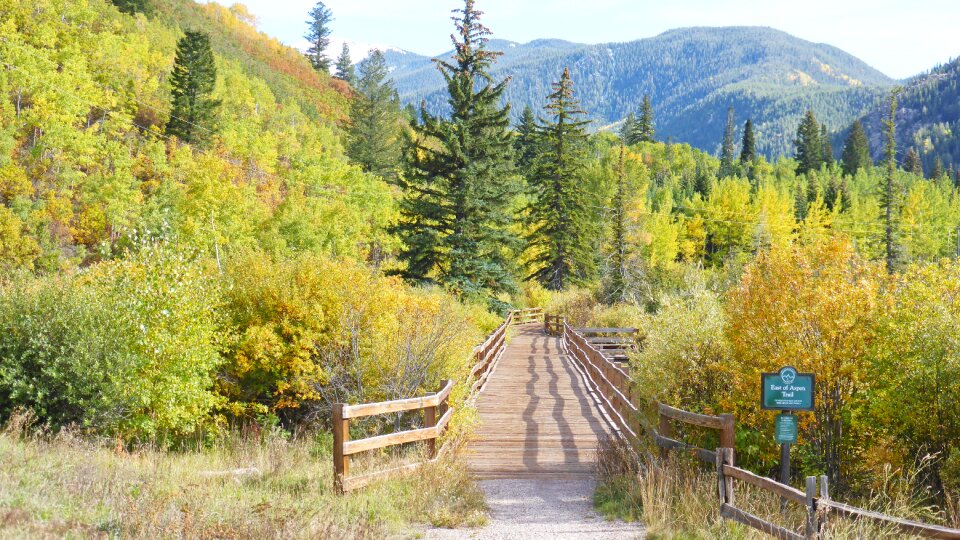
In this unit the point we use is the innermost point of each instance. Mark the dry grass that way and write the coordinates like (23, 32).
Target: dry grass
(677, 498)
(246, 487)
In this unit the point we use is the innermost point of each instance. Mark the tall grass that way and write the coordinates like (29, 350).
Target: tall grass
(247, 486)
(678, 497)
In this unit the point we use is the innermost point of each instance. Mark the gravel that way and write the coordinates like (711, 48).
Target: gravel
(533, 509)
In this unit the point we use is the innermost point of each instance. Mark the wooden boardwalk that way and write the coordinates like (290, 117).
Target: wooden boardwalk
(538, 416)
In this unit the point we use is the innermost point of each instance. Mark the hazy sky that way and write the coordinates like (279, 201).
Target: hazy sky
(898, 37)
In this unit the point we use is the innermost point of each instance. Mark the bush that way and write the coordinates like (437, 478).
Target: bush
(127, 348)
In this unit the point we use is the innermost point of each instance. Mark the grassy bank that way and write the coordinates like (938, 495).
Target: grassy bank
(677, 498)
(251, 486)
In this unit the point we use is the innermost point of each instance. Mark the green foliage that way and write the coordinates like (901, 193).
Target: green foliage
(644, 128)
(856, 151)
(132, 7)
(128, 348)
(193, 111)
(809, 145)
(560, 238)
(728, 148)
(458, 184)
(748, 147)
(345, 69)
(373, 141)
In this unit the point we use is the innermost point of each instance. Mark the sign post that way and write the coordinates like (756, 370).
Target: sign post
(786, 391)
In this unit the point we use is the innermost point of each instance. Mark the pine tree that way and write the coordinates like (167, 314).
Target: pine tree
(373, 140)
(628, 130)
(856, 151)
(620, 251)
(131, 7)
(193, 111)
(703, 181)
(748, 148)
(827, 146)
(525, 144)
(318, 34)
(345, 70)
(889, 195)
(938, 171)
(560, 238)
(455, 214)
(809, 147)
(727, 166)
(644, 129)
(912, 163)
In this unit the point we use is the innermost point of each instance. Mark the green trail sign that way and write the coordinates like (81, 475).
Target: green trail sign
(787, 390)
(785, 431)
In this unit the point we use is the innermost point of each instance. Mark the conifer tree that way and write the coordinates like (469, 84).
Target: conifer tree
(318, 34)
(628, 130)
(617, 272)
(345, 69)
(645, 129)
(525, 144)
(826, 145)
(727, 166)
(748, 148)
(938, 171)
(809, 147)
(560, 238)
(373, 141)
(131, 7)
(193, 111)
(856, 151)
(912, 163)
(889, 194)
(455, 214)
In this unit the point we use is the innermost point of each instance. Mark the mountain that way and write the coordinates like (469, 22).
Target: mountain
(928, 119)
(692, 76)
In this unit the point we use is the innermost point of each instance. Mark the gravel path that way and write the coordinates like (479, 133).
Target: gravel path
(534, 509)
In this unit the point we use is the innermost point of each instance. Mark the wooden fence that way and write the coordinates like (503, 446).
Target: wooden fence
(616, 390)
(486, 355)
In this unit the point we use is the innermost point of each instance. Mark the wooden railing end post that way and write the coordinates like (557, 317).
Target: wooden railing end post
(341, 434)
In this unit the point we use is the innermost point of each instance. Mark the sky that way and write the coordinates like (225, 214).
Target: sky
(899, 37)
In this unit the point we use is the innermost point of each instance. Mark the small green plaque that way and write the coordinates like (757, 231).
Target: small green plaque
(785, 431)
(787, 390)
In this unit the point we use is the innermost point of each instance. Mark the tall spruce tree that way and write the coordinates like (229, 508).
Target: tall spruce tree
(912, 163)
(827, 157)
(619, 248)
(131, 7)
(526, 142)
(728, 150)
(455, 216)
(856, 151)
(645, 128)
(560, 238)
(628, 131)
(193, 111)
(748, 148)
(938, 171)
(318, 35)
(345, 69)
(373, 140)
(809, 147)
(890, 192)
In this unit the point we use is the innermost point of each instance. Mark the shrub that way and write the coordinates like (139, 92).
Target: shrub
(126, 348)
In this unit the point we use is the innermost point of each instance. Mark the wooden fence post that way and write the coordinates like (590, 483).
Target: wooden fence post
(824, 496)
(728, 481)
(429, 421)
(811, 525)
(666, 430)
(728, 437)
(341, 434)
(721, 483)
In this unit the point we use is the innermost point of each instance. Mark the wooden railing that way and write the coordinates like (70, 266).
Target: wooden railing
(617, 392)
(485, 357)
(344, 448)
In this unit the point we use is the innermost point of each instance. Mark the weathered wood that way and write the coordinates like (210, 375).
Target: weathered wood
(400, 405)
(905, 526)
(702, 420)
(728, 434)
(773, 486)
(666, 444)
(341, 434)
(751, 520)
(727, 455)
(810, 527)
(430, 421)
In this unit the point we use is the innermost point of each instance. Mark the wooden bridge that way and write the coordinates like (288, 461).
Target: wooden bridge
(538, 415)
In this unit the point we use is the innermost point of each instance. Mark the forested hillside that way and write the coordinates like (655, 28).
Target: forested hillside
(691, 75)
(928, 121)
